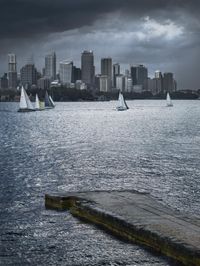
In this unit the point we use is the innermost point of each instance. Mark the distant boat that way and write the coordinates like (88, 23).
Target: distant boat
(39, 106)
(122, 106)
(48, 101)
(25, 104)
(169, 101)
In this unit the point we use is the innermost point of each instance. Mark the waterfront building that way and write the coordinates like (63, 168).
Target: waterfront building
(50, 66)
(128, 84)
(12, 71)
(116, 71)
(43, 83)
(120, 82)
(106, 70)
(4, 81)
(133, 70)
(104, 83)
(139, 75)
(29, 75)
(66, 72)
(168, 82)
(87, 68)
(137, 88)
(76, 74)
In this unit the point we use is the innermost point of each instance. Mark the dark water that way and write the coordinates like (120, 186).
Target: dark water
(87, 146)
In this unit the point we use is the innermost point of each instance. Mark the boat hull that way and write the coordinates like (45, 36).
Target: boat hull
(121, 109)
(25, 110)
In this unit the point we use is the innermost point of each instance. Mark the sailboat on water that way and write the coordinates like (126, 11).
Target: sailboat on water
(122, 105)
(39, 106)
(25, 104)
(169, 101)
(48, 101)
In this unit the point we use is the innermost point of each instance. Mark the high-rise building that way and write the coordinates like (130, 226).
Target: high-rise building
(4, 81)
(106, 70)
(128, 84)
(50, 66)
(87, 68)
(104, 83)
(66, 72)
(120, 82)
(76, 74)
(29, 75)
(133, 71)
(43, 83)
(168, 82)
(142, 76)
(12, 71)
(116, 71)
(139, 75)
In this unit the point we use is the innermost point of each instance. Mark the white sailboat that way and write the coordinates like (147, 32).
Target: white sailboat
(169, 101)
(51, 100)
(25, 104)
(38, 104)
(122, 106)
(48, 101)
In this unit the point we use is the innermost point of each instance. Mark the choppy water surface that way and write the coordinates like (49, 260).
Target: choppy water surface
(87, 146)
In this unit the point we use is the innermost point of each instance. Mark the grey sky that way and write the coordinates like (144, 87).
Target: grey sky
(161, 34)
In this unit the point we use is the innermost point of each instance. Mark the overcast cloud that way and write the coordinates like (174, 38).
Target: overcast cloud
(161, 34)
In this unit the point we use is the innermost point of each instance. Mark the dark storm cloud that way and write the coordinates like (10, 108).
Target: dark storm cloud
(24, 18)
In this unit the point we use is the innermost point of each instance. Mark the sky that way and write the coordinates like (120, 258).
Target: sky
(162, 35)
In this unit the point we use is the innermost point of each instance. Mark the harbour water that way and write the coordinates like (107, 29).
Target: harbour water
(90, 146)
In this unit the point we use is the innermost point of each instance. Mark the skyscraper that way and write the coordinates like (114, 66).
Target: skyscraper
(29, 75)
(106, 70)
(87, 68)
(66, 72)
(139, 75)
(50, 66)
(12, 71)
(134, 75)
(116, 71)
(142, 76)
(168, 82)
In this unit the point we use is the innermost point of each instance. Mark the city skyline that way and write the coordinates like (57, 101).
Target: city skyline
(163, 35)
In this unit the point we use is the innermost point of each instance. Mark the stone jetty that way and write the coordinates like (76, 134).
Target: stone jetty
(136, 217)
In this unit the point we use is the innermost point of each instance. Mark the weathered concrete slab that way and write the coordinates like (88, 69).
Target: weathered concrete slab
(137, 217)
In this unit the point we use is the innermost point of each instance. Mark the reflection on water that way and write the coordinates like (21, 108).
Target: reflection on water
(87, 146)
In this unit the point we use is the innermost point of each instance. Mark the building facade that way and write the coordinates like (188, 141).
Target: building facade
(50, 66)
(66, 72)
(29, 75)
(106, 70)
(12, 71)
(87, 68)
(116, 71)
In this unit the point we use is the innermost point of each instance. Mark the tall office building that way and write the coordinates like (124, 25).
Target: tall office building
(66, 72)
(76, 74)
(4, 81)
(142, 76)
(103, 83)
(139, 75)
(120, 82)
(116, 71)
(106, 70)
(87, 68)
(50, 66)
(29, 75)
(168, 82)
(12, 71)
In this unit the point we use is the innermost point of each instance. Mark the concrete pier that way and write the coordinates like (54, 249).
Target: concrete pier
(136, 217)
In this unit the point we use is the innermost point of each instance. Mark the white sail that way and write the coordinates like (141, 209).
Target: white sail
(37, 102)
(28, 102)
(169, 102)
(52, 102)
(23, 103)
(121, 103)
